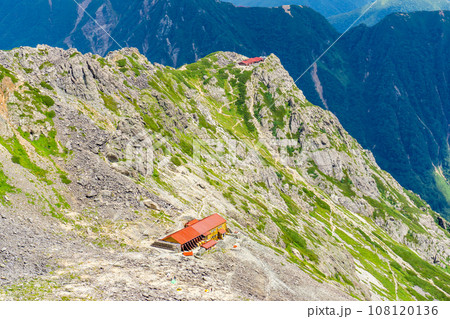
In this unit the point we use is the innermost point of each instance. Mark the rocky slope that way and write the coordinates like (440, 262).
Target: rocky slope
(102, 156)
(396, 91)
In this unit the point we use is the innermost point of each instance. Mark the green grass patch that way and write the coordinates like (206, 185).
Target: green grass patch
(212, 181)
(229, 194)
(175, 160)
(46, 64)
(33, 290)
(102, 62)
(20, 157)
(110, 103)
(5, 72)
(312, 171)
(426, 286)
(46, 86)
(150, 123)
(443, 185)
(439, 277)
(421, 266)
(4, 186)
(240, 83)
(135, 66)
(322, 204)
(416, 199)
(346, 238)
(121, 63)
(64, 179)
(382, 209)
(202, 122)
(39, 99)
(51, 114)
(292, 206)
(47, 100)
(18, 96)
(340, 277)
(186, 146)
(308, 193)
(161, 216)
(46, 145)
(278, 113)
(369, 240)
(293, 239)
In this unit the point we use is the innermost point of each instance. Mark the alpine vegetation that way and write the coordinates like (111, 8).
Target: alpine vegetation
(103, 156)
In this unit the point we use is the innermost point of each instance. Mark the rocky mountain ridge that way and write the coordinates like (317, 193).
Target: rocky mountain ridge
(102, 156)
(325, 7)
(393, 100)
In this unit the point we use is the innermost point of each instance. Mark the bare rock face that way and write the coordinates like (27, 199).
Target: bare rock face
(151, 205)
(101, 157)
(4, 128)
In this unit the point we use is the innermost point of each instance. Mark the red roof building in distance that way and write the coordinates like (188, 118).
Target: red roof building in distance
(199, 232)
(251, 61)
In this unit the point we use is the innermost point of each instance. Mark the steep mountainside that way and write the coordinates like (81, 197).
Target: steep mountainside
(174, 32)
(383, 8)
(342, 14)
(101, 156)
(398, 99)
(324, 7)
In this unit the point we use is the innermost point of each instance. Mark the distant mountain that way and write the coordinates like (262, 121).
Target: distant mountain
(383, 8)
(162, 29)
(171, 32)
(342, 13)
(325, 7)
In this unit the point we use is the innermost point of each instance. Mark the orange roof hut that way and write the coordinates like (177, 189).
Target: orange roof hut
(199, 232)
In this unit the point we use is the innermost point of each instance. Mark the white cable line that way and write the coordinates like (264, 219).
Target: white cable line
(93, 19)
(325, 52)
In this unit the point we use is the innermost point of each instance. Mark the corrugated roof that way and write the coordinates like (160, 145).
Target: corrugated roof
(191, 222)
(222, 231)
(208, 223)
(184, 235)
(209, 244)
(201, 227)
